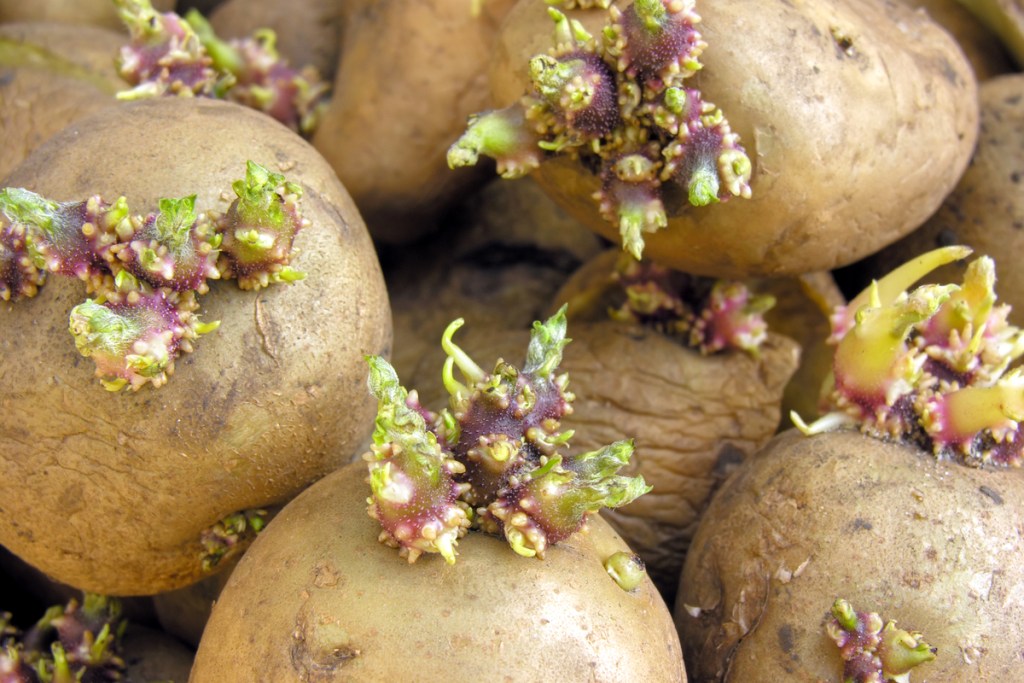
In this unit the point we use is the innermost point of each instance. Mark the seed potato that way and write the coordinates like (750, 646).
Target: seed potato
(333, 604)
(110, 492)
(859, 117)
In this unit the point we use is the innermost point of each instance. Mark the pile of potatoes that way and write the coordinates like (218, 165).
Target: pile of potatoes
(876, 130)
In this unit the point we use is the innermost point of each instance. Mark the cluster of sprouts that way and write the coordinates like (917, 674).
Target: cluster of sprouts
(873, 651)
(492, 460)
(704, 314)
(931, 365)
(619, 103)
(171, 55)
(79, 641)
(144, 272)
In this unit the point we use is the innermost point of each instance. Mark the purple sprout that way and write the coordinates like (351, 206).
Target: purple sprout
(174, 248)
(66, 238)
(259, 228)
(874, 652)
(415, 495)
(707, 315)
(165, 55)
(261, 79)
(20, 278)
(134, 336)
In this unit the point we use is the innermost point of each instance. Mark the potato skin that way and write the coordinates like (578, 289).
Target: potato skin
(931, 544)
(271, 401)
(852, 147)
(74, 12)
(318, 598)
(409, 75)
(50, 75)
(985, 211)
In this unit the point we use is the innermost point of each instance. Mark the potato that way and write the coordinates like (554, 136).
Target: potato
(183, 612)
(929, 543)
(152, 656)
(692, 418)
(1005, 18)
(74, 12)
(307, 32)
(51, 74)
(986, 209)
(858, 117)
(409, 75)
(981, 46)
(316, 597)
(271, 401)
(507, 249)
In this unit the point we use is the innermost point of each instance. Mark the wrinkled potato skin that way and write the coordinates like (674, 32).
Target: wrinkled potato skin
(318, 598)
(693, 418)
(851, 149)
(986, 209)
(932, 545)
(75, 12)
(50, 75)
(271, 401)
(409, 75)
(307, 31)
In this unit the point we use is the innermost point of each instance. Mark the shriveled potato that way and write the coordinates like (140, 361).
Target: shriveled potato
(986, 209)
(308, 32)
(409, 74)
(858, 118)
(272, 400)
(51, 74)
(74, 12)
(928, 543)
(317, 597)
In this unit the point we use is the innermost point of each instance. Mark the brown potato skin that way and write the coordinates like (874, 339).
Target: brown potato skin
(931, 544)
(50, 75)
(986, 209)
(317, 597)
(693, 419)
(409, 75)
(851, 149)
(74, 12)
(271, 401)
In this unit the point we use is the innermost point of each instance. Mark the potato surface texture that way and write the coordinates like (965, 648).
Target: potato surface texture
(985, 211)
(318, 598)
(931, 544)
(408, 75)
(50, 75)
(74, 12)
(858, 116)
(109, 492)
